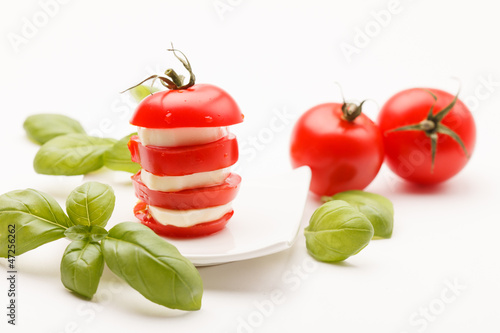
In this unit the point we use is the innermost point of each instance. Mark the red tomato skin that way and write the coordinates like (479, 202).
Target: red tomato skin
(342, 155)
(141, 211)
(202, 105)
(185, 160)
(408, 153)
(202, 197)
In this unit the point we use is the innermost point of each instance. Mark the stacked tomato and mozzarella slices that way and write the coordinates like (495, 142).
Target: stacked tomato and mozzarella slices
(185, 186)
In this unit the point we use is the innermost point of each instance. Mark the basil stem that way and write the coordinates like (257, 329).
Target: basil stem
(88, 233)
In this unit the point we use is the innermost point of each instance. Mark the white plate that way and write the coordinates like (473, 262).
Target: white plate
(266, 220)
(267, 215)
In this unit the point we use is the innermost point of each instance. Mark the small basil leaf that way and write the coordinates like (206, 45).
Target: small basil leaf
(337, 231)
(88, 233)
(142, 91)
(71, 154)
(118, 157)
(81, 267)
(37, 217)
(378, 209)
(91, 204)
(152, 266)
(46, 126)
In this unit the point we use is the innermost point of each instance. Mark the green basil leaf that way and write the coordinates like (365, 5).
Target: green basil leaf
(37, 217)
(378, 209)
(46, 126)
(152, 266)
(118, 157)
(87, 233)
(81, 267)
(142, 91)
(337, 231)
(91, 204)
(71, 154)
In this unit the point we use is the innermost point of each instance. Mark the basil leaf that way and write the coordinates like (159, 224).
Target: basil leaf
(142, 91)
(152, 266)
(46, 126)
(91, 204)
(87, 233)
(81, 267)
(337, 231)
(71, 154)
(378, 209)
(118, 157)
(37, 217)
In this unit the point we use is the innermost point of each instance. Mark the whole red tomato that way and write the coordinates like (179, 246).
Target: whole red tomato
(428, 134)
(341, 145)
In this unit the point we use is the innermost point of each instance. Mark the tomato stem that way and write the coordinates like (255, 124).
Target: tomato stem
(176, 78)
(428, 126)
(173, 81)
(351, 111)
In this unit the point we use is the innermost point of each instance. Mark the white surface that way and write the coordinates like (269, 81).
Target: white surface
(277, 59)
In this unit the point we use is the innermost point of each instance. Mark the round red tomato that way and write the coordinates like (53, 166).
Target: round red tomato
(201, 105)
(341, 145)
(428, 134)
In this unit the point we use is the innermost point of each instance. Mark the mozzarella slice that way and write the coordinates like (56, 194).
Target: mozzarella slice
(181, 136)
(188, 218)
(178, 183)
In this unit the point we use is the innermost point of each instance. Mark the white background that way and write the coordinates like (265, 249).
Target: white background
(274, 58)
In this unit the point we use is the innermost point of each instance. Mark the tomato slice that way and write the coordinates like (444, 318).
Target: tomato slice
(202, 197)
(202, 105)
(186, 160)
(141, 211)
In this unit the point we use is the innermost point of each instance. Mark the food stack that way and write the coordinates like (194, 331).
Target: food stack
(185, 186)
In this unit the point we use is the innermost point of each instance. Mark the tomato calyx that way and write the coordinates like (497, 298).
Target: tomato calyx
(432, 126)
(351, 111)
(173, 81)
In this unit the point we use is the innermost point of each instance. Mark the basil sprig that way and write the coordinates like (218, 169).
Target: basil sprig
(38, 219)
(377, 208)
(71, 154)
(45, 126)
(118, 157)
(67, 150)
(154, 267)
(337, 231)
(131, 250)
(345, 224)
(82, 266)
